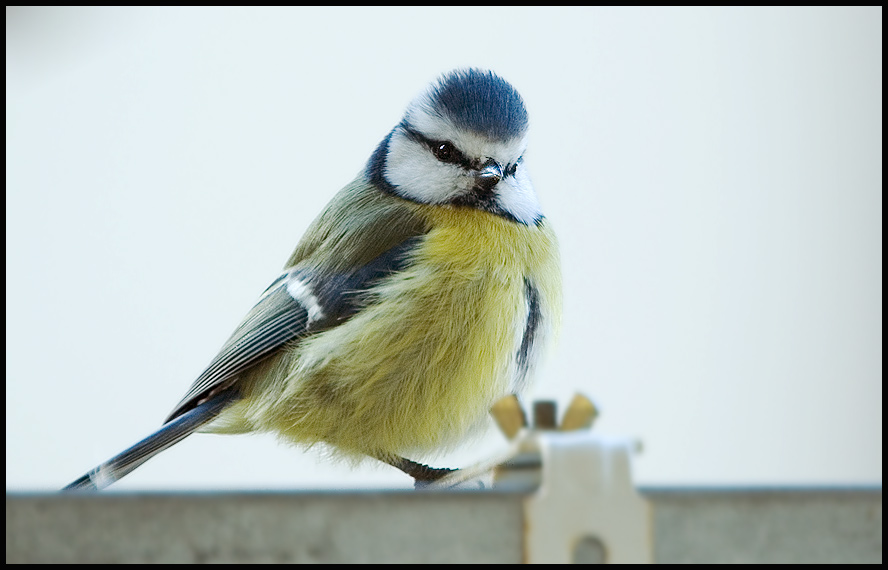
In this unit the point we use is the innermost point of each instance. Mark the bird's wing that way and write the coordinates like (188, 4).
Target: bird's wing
(277, 318)
(311, 296)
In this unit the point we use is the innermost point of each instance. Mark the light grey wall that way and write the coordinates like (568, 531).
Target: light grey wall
(714, 175)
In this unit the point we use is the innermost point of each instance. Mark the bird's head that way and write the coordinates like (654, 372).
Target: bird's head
(461, 142)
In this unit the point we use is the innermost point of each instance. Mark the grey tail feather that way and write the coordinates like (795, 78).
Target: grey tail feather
(168, 435)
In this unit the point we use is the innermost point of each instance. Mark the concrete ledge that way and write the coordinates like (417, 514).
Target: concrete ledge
(767, 526)
(782, 525)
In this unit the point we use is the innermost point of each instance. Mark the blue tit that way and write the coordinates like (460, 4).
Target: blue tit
(419, 296)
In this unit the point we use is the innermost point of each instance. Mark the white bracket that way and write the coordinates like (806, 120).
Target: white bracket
(586, 508)
(583, 506)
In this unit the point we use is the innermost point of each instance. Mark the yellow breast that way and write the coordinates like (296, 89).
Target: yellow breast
(435, 347)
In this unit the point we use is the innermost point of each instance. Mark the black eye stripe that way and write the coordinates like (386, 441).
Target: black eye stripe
(445, 151)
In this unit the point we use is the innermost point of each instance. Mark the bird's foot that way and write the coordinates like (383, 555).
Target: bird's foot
(423, 475)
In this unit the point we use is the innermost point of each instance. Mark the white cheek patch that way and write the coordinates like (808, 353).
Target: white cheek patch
(302, 292)
(418, 175)
(516, 195)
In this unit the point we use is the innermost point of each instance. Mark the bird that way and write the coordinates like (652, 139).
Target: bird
(424, 292)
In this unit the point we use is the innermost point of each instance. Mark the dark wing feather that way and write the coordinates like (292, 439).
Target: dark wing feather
(274, 321)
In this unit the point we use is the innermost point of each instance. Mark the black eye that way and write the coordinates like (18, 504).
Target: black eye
(445, 151)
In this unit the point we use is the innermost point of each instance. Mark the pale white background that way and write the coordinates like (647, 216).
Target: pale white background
(715, 177)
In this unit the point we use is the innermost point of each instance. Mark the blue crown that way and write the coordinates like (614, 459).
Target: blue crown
(480, 101)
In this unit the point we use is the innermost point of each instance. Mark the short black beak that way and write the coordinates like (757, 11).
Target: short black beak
(489, 175)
